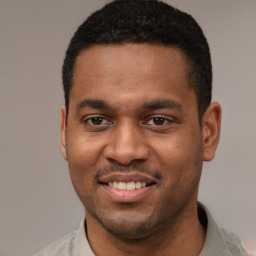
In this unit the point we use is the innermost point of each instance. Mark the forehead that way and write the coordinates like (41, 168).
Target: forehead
(132, 69)
(148, 58)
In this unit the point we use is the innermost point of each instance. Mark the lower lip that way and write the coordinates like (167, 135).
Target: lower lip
(127, 196)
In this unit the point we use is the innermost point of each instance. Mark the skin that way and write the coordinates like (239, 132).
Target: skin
(131, 135)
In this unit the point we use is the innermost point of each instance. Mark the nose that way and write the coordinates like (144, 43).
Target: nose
(126, 144)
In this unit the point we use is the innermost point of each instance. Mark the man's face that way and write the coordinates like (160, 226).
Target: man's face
(133, 139)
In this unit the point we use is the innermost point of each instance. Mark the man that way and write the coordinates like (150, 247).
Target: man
(138, 123)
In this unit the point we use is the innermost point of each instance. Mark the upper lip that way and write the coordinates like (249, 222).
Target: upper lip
(127, 177)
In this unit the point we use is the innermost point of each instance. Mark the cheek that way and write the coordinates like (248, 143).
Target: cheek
(82, 159)
(171, 149)
(179, 155)
(81, 150)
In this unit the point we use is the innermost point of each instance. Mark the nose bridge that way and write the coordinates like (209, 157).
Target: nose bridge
(127, 143)
(127, 136)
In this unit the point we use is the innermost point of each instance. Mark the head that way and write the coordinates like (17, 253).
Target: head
(145, 21)
(137, 124)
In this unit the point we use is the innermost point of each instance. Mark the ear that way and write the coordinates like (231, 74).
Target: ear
(211, 130)
(63, 130)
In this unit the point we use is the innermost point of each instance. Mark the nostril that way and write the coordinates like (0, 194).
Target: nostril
(126, 145)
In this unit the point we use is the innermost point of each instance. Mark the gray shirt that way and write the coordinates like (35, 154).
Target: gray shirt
(218, 242)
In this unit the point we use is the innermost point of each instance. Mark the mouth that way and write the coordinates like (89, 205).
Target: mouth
(127, 187)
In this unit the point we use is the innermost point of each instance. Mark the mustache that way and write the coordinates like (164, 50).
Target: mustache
(133, 167)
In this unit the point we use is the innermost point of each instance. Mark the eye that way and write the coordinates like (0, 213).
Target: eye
(96, 121)
(158, 120)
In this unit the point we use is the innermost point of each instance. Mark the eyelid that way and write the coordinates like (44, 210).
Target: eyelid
(168, 119)
(90, 117)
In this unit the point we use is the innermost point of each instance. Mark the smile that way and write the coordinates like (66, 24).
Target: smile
(131, 185)
(124, 188)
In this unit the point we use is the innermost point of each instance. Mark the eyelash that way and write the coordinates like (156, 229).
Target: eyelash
(163, 121)
(89, 120)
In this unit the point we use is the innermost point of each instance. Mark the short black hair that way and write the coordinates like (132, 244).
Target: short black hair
(145, 21)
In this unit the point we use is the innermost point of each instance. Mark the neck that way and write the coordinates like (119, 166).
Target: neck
(185, 236)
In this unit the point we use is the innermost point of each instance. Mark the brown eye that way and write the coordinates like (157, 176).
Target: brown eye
(96, 123)
(96, 120)
(158, 120)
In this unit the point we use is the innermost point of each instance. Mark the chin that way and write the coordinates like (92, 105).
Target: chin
(130, 230)
(128, 226)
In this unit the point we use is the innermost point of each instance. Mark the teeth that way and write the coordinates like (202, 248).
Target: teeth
(115, 184)
(122, 185)
(138, 184)
(131, 185)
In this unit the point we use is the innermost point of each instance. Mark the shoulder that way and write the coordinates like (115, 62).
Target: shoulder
(233, 243)
(218, 241)
(62, 247)
(73, 244)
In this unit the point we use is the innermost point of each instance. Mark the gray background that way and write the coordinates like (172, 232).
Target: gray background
(38, 204)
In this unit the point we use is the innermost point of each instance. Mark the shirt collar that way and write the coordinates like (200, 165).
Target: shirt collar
(82, 244)
(214, 245)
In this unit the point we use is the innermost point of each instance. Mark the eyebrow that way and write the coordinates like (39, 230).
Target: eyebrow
(162, 104)
(92, 103)
(150, 105)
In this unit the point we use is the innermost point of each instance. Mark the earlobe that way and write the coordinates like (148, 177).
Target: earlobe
(63, 130)
(211, 130)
